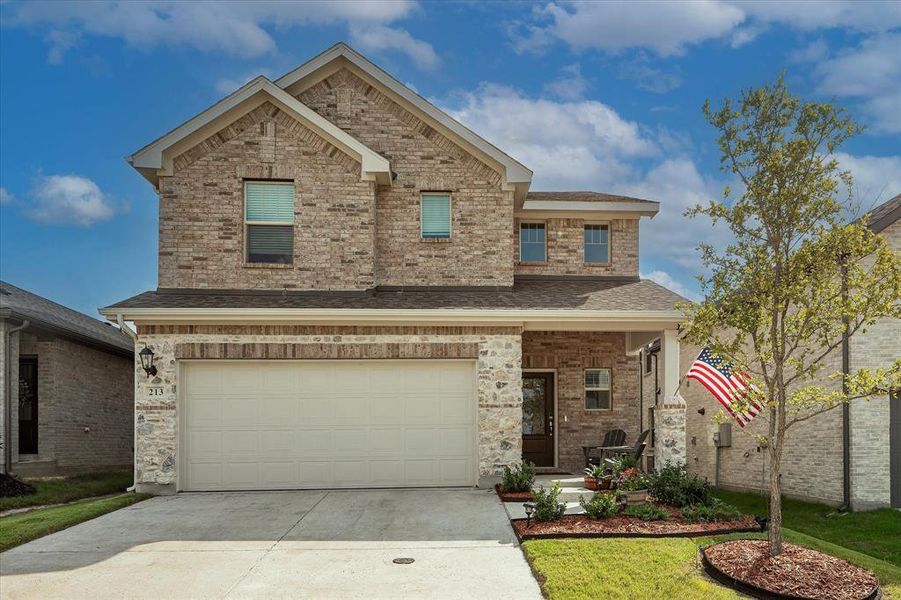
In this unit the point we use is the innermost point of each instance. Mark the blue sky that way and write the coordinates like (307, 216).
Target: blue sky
(600, 96)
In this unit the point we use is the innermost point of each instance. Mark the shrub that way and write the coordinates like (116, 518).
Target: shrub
(519, 478)
(547, 504)
(624, 462)
(648, 512)
(631, 480)
(716, 510)
(673, 484)
(601, 506)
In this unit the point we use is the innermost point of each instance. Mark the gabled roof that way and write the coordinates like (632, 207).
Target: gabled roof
(885, 214)
(154, 159)
(21, 304)
(303, 76)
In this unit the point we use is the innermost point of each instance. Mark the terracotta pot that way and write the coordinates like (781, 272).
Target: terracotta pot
(635, 497)
(604, 483)
(591, 483)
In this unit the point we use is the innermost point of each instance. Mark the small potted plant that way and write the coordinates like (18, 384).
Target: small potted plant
(632, 487)
(593, 475)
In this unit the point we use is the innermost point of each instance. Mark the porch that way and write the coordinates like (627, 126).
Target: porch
(578, 385)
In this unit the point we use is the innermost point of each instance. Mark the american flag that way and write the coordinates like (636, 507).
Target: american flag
(726, 384)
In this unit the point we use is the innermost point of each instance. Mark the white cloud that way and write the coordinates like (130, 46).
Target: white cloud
(876, 178)
(571, 85)
(69, 200)
(239, 28)
(5, 196)
(665, 27)
(813, 52)
(379, 38)
(871, 72)
(648, 78)
(673, 284)
(570, 144)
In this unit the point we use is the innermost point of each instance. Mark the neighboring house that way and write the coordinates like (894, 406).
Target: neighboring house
(355, 290)
(850, 455)
(66, 389)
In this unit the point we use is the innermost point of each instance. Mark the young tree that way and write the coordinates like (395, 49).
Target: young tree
(798, 276)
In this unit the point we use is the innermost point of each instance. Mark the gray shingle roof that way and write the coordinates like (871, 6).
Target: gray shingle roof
(885, 214)
(583, 197)
(16, 302)
(526, 294)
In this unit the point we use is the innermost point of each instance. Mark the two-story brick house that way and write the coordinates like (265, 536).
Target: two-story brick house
(355, 290)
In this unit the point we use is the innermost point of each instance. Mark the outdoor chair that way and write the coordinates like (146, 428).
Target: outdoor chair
(635, 451)
(613, 440)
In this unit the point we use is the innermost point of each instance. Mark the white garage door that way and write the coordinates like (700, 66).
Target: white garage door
(327, 424)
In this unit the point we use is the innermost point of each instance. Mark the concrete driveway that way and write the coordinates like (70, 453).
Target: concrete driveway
(309, 544)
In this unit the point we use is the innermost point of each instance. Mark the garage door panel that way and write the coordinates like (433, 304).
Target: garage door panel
(322, 424)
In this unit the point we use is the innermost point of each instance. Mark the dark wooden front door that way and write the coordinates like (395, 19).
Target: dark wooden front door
(28, 405)
(538, 418)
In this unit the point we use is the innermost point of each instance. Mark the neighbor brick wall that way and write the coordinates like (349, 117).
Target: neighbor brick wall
(480, 251)
(202, 210)
(566, 249)
(569, 354)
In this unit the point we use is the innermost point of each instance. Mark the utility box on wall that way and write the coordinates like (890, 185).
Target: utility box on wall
(723, 437)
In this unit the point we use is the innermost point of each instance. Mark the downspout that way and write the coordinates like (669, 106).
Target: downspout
(8, 408)
(134, 429)
(846, 408)
(641, 391)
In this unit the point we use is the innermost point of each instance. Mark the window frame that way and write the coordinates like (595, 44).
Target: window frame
(450, 217)
(605, 224)
(608, 389)
(533, 262)
(248, 223)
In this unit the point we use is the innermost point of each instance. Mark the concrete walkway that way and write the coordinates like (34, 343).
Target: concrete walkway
(337, 544)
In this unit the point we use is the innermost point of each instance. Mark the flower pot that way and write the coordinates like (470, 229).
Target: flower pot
(605, 482)
(633, 497)
(590, 483)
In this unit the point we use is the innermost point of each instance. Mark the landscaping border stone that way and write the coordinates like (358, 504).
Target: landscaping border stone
(604, 534)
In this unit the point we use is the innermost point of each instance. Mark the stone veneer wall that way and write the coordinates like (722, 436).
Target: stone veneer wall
(480, 250)
(569, 354)
(202, 210)
(566, 249)
(498, 351)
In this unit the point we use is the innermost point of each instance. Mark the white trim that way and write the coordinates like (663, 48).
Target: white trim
(519, 249)
(609, 389)
(647, 208)
(152, 157)
(515, 171)
(450, 215)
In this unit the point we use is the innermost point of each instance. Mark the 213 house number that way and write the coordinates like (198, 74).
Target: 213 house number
(155, 391)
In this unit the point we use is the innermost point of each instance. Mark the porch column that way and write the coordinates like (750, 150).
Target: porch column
(670, 415)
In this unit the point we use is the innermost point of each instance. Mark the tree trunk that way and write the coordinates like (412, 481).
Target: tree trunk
(775, 525)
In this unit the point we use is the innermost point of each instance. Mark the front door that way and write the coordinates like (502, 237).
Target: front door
(28, 405)
(538, 418)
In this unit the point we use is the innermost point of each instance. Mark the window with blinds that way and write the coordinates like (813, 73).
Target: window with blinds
(435, 216)
(597, 244)
(269, 221)
(532, 242)
(597, 389)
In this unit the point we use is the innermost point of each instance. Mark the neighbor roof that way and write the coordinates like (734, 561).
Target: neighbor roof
(595, 202)
(21, 304)
(885, 214)
(574, 294)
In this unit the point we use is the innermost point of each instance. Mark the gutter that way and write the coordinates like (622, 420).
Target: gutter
(846, 408)
(134, 429)
(7, 378)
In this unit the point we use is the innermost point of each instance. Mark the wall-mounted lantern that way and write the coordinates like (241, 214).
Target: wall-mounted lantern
(147, 361)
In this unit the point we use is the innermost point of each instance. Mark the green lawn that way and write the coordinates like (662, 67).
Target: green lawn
(58, 491)
(877, 533)
(24, 527)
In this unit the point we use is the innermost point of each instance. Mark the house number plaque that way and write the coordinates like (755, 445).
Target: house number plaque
(155, 391)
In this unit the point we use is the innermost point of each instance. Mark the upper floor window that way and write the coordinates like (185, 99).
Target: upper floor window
(597, 389)
(532, 246)
(435, 216)
(597, 244)
(269, 221)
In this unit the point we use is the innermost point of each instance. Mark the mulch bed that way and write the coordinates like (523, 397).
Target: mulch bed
(512, 496)
(572, 526)
(11, 487)
(798, 572)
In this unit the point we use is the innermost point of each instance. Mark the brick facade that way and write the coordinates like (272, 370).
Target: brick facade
(568, 354)
(85, 409)
(566, 249)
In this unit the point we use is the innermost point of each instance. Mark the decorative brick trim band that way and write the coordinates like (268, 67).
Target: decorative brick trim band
(324, 351)
(321, 330)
